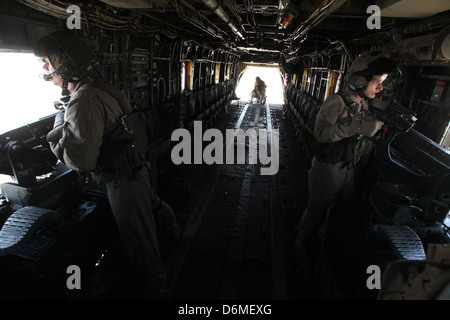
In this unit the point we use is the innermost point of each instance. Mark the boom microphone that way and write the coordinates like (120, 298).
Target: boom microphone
(47, 76)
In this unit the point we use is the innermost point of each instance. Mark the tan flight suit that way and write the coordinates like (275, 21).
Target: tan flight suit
(335, 122)
(77, 143)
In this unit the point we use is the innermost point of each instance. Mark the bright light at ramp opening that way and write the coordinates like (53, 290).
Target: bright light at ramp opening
(270, 75)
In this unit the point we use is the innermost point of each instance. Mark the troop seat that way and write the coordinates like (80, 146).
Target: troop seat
(191, 107)
(205, 104)
(302, 110)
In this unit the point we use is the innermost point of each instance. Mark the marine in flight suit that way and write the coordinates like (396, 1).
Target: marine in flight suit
(343, 122)
(78, 140)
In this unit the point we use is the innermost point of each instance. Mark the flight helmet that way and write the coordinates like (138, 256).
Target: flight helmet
(70, 57)
(366, 66)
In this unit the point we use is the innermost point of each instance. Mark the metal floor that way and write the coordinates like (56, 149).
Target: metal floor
(237, 224)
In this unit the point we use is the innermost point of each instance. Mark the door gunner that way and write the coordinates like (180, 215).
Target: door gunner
(341, 125)
(87, 137)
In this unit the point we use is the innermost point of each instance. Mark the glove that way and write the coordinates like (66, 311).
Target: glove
(370, 126)
(59, 119)
(53, 138)
(54, 135)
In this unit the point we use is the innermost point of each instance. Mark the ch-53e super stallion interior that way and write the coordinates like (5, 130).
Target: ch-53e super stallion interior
(190, 68)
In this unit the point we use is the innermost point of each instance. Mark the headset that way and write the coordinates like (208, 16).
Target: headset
(70, 67)
(56, 46)
(366, 66)
(357, 81)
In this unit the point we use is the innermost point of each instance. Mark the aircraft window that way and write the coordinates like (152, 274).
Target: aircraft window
(24, 96)
(183, 76)
(5, 178)
(270, 75)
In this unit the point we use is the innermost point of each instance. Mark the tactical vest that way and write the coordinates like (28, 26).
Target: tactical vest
(339, 151)
(125, 142)
(124, 147)
(349, 149)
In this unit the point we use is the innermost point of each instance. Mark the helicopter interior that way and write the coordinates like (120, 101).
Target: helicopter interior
(181, 62)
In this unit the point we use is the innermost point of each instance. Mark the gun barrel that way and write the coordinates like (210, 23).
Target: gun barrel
(398, 116)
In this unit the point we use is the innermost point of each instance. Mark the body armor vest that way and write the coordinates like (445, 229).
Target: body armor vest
(349, 149)
(125, 142)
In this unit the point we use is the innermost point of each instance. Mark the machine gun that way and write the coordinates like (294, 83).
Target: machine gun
(397, 117)
(407, 158)
(49, 218)
(25, 154)
(37, 177)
